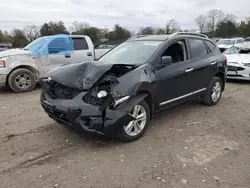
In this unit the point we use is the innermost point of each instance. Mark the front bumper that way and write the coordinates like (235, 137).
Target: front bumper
(238, 71)
(79, 115)
(3, 75)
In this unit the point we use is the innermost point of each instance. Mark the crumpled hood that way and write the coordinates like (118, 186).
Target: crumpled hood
(13, 52)
(83, 75)
(118, 81)
(238, 58)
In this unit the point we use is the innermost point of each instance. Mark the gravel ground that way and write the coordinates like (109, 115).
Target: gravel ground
(187, 146)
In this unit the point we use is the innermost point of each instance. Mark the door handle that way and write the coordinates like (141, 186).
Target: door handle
(213, 63)
(89, 54)
(67, 56)
(189, 70)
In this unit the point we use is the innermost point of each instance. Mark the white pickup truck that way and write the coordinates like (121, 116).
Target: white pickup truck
(21, 68)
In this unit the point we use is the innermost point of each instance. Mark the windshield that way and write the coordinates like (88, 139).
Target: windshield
(134, 52)
(237, 50)
(36, 44)
(226, 42)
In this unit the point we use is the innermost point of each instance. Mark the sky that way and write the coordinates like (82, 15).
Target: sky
(131, 14)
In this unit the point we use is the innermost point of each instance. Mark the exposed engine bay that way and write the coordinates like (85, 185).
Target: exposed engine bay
(101, 93)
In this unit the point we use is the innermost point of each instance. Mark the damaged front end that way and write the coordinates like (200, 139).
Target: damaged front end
(92, 96)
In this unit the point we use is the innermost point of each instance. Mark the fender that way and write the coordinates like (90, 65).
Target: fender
(22, 60)
(134, 100)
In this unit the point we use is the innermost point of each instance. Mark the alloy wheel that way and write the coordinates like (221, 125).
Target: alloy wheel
(216, 91)
(133, 128)
(23, 81)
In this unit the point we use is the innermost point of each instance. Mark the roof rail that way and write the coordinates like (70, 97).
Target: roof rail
(189, 33)
(137, 36)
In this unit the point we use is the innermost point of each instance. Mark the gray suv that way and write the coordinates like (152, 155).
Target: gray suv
(118, 94)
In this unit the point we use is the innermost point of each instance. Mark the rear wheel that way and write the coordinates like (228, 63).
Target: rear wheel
(135, 129)
(22, 80)
(214, 92)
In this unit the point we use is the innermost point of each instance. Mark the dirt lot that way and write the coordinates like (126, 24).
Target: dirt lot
(188, 146)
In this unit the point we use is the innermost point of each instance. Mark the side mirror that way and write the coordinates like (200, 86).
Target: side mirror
(166, 60)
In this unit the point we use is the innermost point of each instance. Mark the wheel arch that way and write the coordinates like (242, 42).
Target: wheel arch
(223, 79)
(149, 100)
(30, 68)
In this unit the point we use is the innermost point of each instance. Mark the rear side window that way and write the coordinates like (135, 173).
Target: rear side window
(197, 48)
(80, 44)
(210, 45)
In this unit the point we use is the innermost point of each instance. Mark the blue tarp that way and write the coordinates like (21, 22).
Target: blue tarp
(56, 45)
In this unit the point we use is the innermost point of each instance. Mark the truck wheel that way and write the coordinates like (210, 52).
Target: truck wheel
(22, 80)
(214, 92)
(135, 129)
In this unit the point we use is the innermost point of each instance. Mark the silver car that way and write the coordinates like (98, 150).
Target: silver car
(224, 44)
(238, 58)
(20, 69)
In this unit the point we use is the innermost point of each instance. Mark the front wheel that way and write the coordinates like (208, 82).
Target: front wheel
(135, 129)
(22, 80)
(214, 92)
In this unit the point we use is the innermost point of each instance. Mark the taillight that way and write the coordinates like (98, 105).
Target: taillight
(225, 58)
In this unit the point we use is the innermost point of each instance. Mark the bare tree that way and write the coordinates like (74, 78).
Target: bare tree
(160, 31)
(201, 22)
(32, 32)
(214, 16)
(172, 26)
(230, 17)
(148, 30)
(78, 26)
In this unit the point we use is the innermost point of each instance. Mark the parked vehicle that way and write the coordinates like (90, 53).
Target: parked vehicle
(224, 44)
(118, 94)
(2, 49)
(216, 39)
(5, 46)
(238, 57)
(20, 69)
(247, 39)
(104, 46)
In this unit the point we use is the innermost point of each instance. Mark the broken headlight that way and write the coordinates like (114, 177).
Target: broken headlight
(102, 94)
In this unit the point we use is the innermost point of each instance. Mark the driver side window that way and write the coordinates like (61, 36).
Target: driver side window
(177, 51)
(58, 45)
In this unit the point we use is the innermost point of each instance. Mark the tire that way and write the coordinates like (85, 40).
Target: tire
(209, 98)
(124, 136)
(25, 78)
